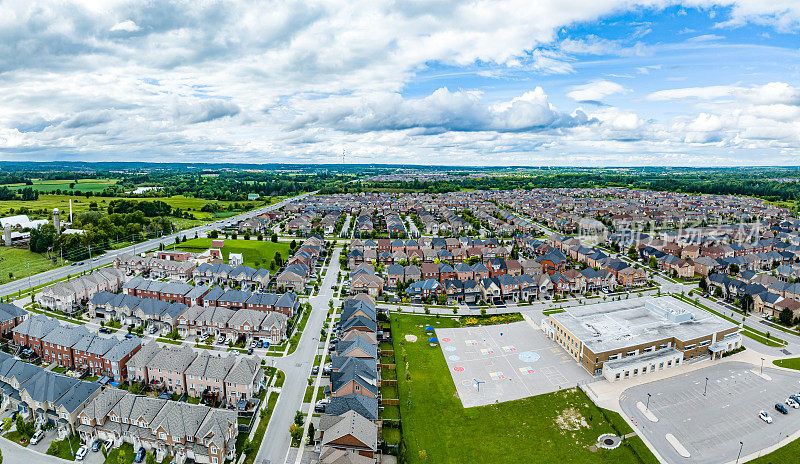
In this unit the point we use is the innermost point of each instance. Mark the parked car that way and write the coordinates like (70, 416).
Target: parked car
(97, 445)
(104, 330)
(319, 407)
(764, 415)
(792, 403)
(315, 370)
(250, 350)
(82, 452)
(139, 455)
(153, 329)
(795, 398)
(128, 335)
(781, 408)
(37, 437)
(260, 344)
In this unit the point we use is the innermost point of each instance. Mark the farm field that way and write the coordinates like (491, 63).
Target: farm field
(560, 427)
(255, 253)
(51, 185)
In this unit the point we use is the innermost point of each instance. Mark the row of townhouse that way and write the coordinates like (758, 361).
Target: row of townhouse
(226, 274)
(300, 266)
(213, 377)
(187, 432)
(43, 396)
(66, 296)
(425, 255)
(771, 296)
(286, 303)
(74, 347)
(257, 323)
(348, 430)
(10, 316)
(156, 268)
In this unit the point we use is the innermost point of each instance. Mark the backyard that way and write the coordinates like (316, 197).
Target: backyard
(256, 253)
(560, 427)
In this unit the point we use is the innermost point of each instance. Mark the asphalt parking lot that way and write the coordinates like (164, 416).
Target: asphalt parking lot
(711, 426)
(505, 362)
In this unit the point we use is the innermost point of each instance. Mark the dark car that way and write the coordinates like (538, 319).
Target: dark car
(781, 408)
(139, 455)
(249, 351)
(315, 370)
(96, 445)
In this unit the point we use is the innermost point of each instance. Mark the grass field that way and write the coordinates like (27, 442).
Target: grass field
(16, 260)
(43, 207)
(782, 455)
(50, 185)
(255, 253)
(560, 427)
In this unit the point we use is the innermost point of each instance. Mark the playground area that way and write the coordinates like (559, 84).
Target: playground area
(498, 363)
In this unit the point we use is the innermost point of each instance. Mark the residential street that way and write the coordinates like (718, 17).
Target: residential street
(297, 367)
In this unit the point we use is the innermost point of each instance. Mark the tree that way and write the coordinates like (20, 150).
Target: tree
(703, 284)
(273, 238)
(747, 303)
(718, 292)
(212, 234)
(632, 253)
(652, 262)
(734, 268)
(151, 459)
(441, 299)
(786, 316)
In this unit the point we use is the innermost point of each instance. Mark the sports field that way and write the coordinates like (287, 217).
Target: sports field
(560, 427)
(255, 253)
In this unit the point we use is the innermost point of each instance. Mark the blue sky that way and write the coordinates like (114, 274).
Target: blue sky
(577, 82)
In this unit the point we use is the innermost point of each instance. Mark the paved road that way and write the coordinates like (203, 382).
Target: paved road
(297, 367)
(62, 272)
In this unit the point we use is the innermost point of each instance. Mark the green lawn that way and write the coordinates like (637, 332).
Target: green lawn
(559, 427)
(16, 261)
(789, 363)
(17, 437)
(126, 449)
(782, 455)
(255, 253)
(63, 449)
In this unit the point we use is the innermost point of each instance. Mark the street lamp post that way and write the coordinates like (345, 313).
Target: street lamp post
(648, 401)
(705, 390)
(762, 365)
(741, 445)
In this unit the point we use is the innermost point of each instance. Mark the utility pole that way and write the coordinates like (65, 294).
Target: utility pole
(30, 286)
(90, 257)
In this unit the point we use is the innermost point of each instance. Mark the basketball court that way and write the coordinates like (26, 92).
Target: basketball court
(497, 363)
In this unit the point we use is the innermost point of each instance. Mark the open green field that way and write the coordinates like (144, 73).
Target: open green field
(43, 207)
(560, 427)
(51, 185)
(255, 253)
(16, 260)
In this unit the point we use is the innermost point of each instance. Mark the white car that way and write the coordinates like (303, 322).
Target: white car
(763, 415)
(82, 452)
(792, 403)
(37, 437)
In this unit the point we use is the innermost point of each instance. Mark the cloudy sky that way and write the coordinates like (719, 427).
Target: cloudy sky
(531, 82)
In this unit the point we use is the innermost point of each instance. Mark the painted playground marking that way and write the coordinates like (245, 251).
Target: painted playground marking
(450, 348)
(445, 339)
(454, 358)
(471, 342)
(497, 375)
(526, 370)
(487, 351)
(458, 369)
(509, 349)
(529, 356)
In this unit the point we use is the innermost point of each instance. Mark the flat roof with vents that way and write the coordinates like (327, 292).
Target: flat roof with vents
(615, 325)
